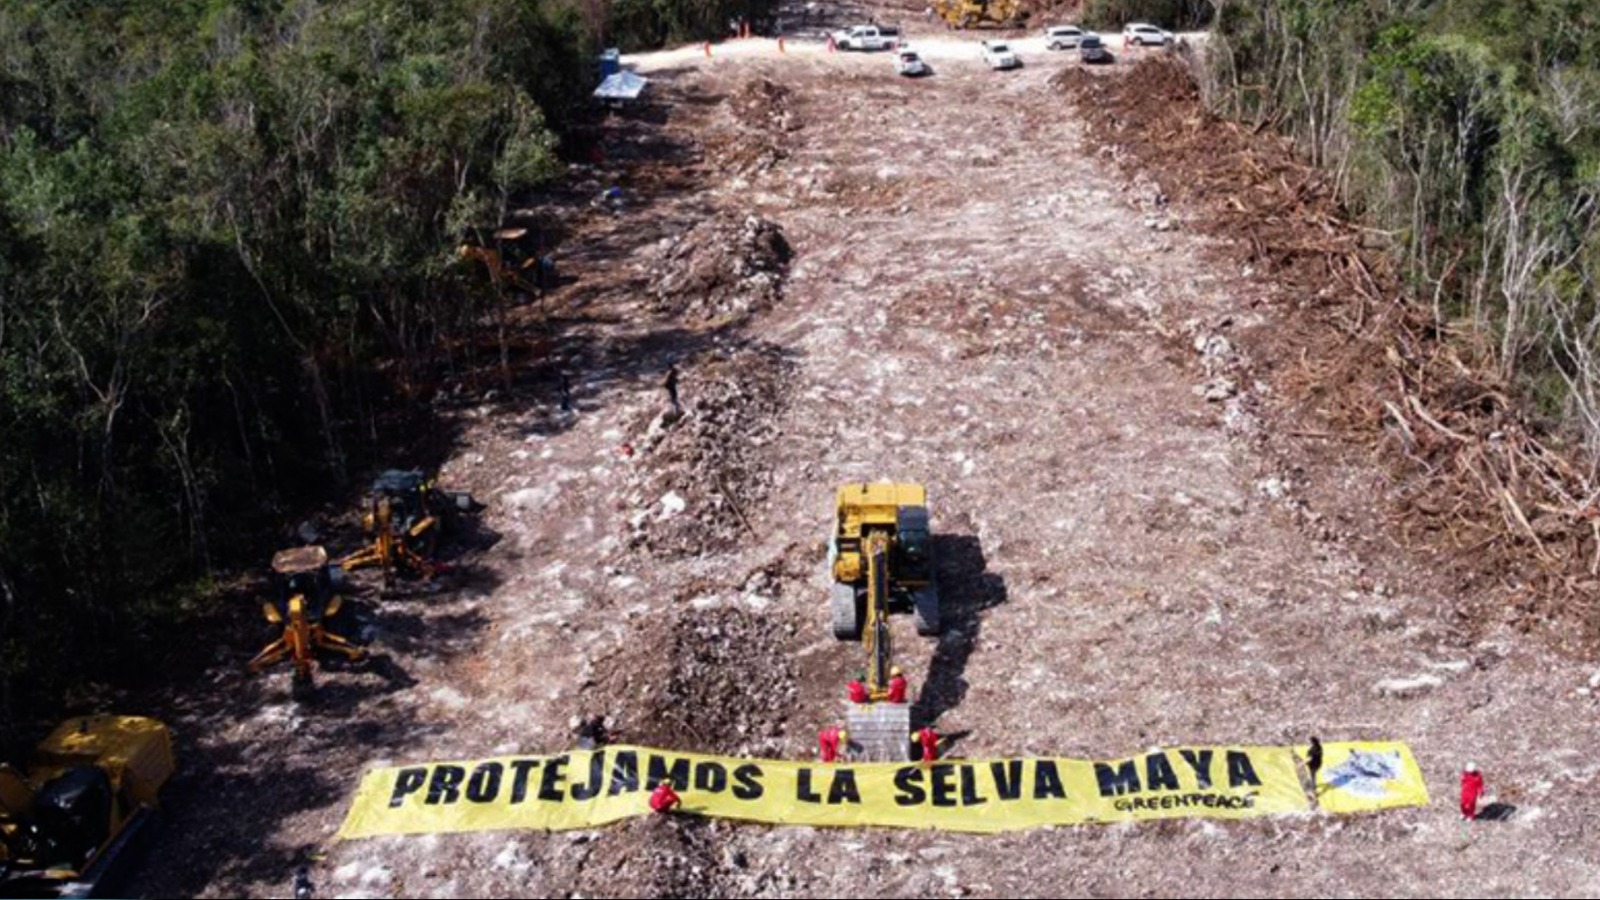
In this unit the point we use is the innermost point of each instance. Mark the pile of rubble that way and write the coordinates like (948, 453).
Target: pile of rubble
(724, 267)
(730, 683)
(762, 115)
(703, 473)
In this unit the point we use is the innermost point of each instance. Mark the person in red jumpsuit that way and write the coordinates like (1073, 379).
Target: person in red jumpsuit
(1471, 790)
(929, 739)
(664, 799)
(857, 691)
(897, 685)
(829, 742)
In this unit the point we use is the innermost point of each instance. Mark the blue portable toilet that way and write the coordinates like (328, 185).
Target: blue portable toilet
(610, 63)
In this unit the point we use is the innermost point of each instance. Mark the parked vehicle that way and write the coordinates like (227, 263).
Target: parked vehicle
(998, 55)
(1141, 34)
(1062, 37)
(1091, 49)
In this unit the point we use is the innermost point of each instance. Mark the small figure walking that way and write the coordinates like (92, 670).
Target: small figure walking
(664, 799)
(672, 391)
(1471, 790)
(1314, 761)
(302, 882)
(566, 393)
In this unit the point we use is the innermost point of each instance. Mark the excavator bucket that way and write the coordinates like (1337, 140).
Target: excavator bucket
(879, 732)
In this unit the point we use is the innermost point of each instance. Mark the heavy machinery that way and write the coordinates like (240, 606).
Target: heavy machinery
(405, 513)
(71, 824)
(881, 560)
(977, 13)
(300, 612)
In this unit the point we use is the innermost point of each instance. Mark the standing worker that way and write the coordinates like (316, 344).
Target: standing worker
(1471, 790)
(566, 393)
(897, 685)
(1314, 761)
(929, 739)
(664, 799)
(829, 742)
(857, 690)
(672, 391)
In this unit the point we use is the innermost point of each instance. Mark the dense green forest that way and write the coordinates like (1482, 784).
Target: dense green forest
(1469, 132)
(226, 253)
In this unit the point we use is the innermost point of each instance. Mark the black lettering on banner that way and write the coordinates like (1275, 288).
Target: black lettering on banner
(1240, 771)
(802, 787)
(710, 776)
(677, 773)
(1114, 782)
(624, 773)
(843, 789)
(1158, 774)
(484, 785)
(1211, 801)
(444, 786)
(555, 772)
(590, 789)
(908, 786)
(1200, 762)
(969, 788)
(1007, 778)
(1120, 805)
(521, 770)
(941, 774)
(747, 782)
(406, 783)
(1047, 780)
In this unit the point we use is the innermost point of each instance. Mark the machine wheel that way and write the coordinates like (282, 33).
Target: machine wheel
(846, 612)
(925, 609)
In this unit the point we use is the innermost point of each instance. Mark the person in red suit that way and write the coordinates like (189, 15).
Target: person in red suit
(829, 741)
(897, 685)
(664, 799)
(1471, 790)
(929, 739)
(857, 691)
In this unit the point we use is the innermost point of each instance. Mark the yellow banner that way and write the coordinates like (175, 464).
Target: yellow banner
(1364, 776)
(584, 789)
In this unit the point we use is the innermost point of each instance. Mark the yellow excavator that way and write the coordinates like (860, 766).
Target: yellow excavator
(71, 825)
(881, 560)
(299, 615)
(406, 512)
(977, 13)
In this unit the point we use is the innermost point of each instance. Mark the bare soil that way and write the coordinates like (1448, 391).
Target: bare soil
(1133, 550)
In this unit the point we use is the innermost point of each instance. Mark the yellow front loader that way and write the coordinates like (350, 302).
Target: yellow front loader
(71, 825)
(978, 13)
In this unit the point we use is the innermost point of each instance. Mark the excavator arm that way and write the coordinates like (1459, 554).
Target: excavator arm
(875, 635)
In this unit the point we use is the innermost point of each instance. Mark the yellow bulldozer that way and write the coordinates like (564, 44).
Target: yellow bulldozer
(978, 13)
(71, 824)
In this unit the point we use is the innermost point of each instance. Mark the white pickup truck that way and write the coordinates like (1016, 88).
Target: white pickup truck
(866, 37)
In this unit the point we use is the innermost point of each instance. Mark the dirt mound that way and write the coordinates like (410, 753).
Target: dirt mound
(702, 474)
(656, 857)
(762, 116)
(728, 685)
(723, 267)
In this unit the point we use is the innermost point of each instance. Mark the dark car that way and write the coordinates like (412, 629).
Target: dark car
(1093, 50)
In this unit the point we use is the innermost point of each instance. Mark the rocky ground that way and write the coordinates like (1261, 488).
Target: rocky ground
(942, 280)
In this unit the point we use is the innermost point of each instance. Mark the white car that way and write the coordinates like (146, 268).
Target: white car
(1140, 34)
(999, 56)
(908, 63)
(1062, 37)
(864, 37)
